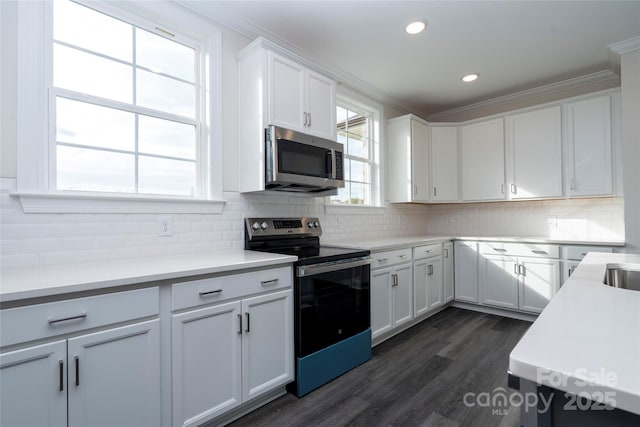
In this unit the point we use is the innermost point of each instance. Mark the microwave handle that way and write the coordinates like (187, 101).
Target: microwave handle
(331, 164)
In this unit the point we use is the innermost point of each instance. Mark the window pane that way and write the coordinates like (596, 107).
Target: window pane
(341, 116)
(358, 147)
(165, 94)
(80, 26)
(343, 195)
(162, 176)
(164, 56)
(82, 169)
(91, 74)
(359, 171)
(359, 194)
(166, 138)
(88, 124)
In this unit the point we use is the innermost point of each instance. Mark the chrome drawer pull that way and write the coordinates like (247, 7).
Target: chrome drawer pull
(383, 260)
(402, 256)
(583, 254)
(540, 252)
(499, 250)
(269, 282)
(239, 324)
(66, 319)
(207, 293)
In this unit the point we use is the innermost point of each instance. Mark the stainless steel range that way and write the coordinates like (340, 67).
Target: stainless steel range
(331, 298)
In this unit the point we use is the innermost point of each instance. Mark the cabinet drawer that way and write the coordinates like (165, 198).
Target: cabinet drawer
(23, 324)
(383, 259)
(578, 252)
(520, 249)
(427, 251)
(223, 288)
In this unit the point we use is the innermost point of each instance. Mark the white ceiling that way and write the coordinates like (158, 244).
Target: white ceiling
(513, 45)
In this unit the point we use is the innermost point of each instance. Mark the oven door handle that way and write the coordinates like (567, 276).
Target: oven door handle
(312, 270)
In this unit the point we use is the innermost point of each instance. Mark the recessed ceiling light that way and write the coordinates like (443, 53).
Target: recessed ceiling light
(415, 27)
(469, 78)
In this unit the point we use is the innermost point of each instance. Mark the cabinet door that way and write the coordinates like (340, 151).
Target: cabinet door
(33, 386)
(447, 271)
(539, 282)
(286, 93)
(420, 302)
(420, 161)
(589, 143)
(206, 363)
(482, 148)
(466, 272)
(435, 291)
(267, 343)
(498, 279)
(114, 377)
(381, 302)
(403, 295)
(321, 106)
(536, 151)
(444, 163)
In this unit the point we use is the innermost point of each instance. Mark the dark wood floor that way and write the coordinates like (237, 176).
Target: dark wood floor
(417, 378)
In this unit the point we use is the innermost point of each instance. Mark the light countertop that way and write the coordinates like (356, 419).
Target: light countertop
(408, 241)
(587, 340)
(34, 282)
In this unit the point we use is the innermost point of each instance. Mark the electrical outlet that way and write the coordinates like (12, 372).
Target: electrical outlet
(340, 223)
(165, 226)
(552, 220)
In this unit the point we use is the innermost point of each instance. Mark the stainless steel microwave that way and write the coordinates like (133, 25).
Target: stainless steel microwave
(301, 163)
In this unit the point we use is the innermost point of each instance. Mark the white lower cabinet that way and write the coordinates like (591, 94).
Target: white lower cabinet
(428, 292)
(466, 272)
(104, 378)
(447, 272)
(525, 284)
(226, 354)
(391, 298)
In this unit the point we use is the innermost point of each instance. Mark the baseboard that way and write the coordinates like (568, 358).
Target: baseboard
(497, 311)
(246, 408)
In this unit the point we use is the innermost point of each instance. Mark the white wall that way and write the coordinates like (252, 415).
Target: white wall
(630, 93)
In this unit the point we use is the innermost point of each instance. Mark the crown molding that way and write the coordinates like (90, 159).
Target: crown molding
(600, 78)
(625, 46)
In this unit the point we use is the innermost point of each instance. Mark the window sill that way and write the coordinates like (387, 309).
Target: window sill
(354, 210)
(81, 203)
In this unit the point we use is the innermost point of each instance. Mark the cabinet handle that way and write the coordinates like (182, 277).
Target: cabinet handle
(304, 115)
(573, 184)
(309, 115)
(77, 362)
(499, 250)
(430, 270)
(515, 269)
(514, 189)
(61, 373)
(446, 253)
(248, 323)
(395, 279)
(207, 293)
(381, 260)
(269, 282)
(66, 319)
(583, 254)
(502, 188)
(522, 270)
(571, 270)
(239, 324)
(402, 256)
(434, 192)
(415, 189)
(540, 252)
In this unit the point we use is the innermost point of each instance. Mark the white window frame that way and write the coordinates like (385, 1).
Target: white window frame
(358, 102)
(35, 167)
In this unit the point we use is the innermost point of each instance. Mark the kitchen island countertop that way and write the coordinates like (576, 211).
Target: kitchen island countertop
(587, 340)
(45, 281)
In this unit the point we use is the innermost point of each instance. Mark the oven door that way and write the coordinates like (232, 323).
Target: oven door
(332, 303)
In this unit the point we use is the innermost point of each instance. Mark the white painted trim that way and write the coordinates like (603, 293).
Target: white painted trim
(72, 203)
(354, 210)
(599, 77)
(7, 185)
(625, 46)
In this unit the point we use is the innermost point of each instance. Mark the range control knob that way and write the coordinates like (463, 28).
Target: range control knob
(316, 224)
(255, 226)
(310, 225)
(264, 225)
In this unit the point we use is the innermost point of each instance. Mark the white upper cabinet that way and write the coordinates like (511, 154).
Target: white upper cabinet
(444, 164)
(589, 170)
(408, 159)
(301, 99)
(535, 162)
(482, 150)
